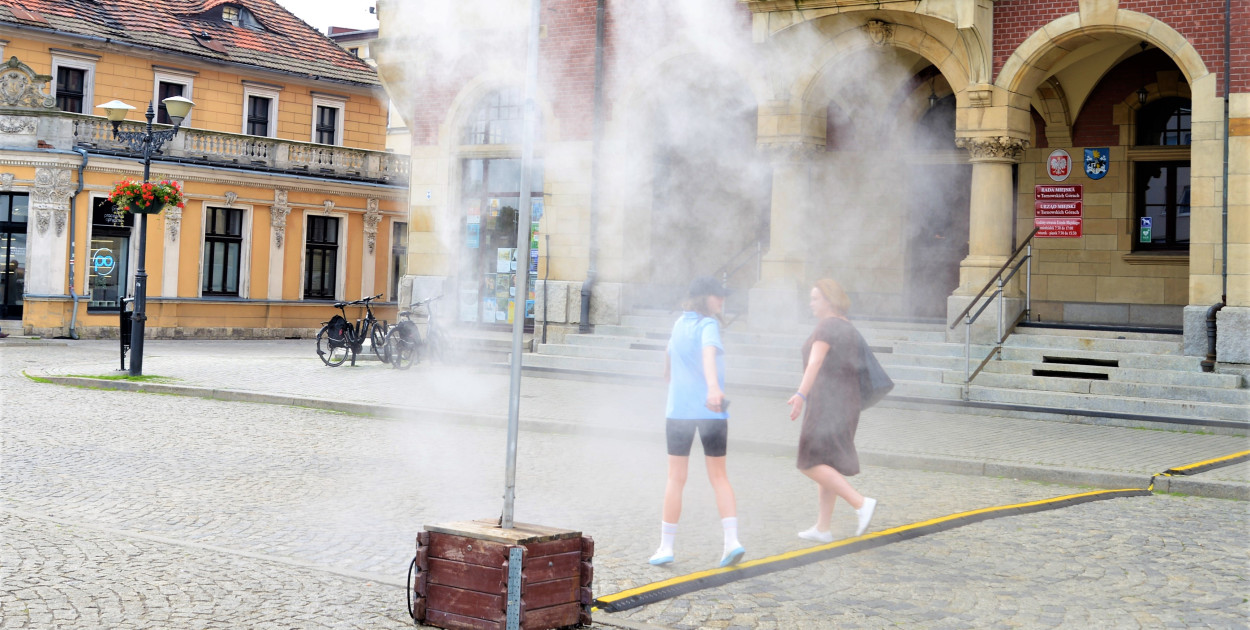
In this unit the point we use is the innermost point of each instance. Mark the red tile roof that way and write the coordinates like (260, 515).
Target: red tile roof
(286, 44)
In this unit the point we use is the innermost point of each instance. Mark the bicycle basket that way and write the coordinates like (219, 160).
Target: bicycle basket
(337, 331)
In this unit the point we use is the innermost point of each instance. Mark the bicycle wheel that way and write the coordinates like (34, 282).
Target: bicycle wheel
(377, 341)
(402, 347)
(331, 355)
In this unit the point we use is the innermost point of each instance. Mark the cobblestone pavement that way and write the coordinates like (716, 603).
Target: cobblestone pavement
(127, 510)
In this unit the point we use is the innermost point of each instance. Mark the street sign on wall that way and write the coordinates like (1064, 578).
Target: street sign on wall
(1058, 210)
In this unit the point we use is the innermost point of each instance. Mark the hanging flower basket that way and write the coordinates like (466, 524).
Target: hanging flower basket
(146, 198)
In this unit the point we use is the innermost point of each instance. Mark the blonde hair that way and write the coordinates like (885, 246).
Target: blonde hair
(834, 295)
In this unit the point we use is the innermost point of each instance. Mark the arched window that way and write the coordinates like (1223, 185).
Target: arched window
(1165, 122)
(497, 119)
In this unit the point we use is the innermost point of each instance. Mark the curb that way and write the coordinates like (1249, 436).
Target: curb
(933, 463)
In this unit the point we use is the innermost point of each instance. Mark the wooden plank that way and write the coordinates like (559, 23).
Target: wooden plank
(551, 617)
(587, 597)
(588, 548)
(420, 583)
(470, 550)
(552, 593)
(554, 567)
(587, 574)
(423, 538)
(489, 529)
(473, 577)
(584, 618)
(419, 610)
(423, 558)
(468, 603)
(552, 547)
(452, 621)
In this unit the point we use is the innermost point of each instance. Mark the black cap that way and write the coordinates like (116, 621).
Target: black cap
(707, 285)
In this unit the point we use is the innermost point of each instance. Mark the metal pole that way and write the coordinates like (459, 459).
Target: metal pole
(1028, 282)
(967, 352)
(1001, 298)
(523, 264)
(139, 315)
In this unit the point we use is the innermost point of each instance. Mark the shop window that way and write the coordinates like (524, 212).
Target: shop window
(497, 119)
(14, 214)
(490, 190)
(223, 245)
(1165, 122)
(1162, 205)
(109, 256)
(321, 250)
(399, 255)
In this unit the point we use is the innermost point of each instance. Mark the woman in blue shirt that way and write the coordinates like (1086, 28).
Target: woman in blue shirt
(695, 369)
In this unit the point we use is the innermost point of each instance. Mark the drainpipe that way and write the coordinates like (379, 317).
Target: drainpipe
(592, 271)
(1208, 364)
(73, 207)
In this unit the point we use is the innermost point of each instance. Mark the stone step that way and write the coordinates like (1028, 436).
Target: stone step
(1125, 360)
(1111, 404)
(1122, 375)
(1100, 334)
(1223, 396)
(1095, 344)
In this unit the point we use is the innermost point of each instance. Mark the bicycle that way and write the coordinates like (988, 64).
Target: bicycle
(338, 339)
(405, 344)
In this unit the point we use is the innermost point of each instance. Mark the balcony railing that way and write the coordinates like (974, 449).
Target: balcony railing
(253, 152)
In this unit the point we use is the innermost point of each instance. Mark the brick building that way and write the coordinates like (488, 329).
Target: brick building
(292, 199)
(898, 147)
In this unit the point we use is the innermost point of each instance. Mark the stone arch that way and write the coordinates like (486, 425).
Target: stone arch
(473, 91)
(1124, 113)
(1029, 65)
(1052, 104)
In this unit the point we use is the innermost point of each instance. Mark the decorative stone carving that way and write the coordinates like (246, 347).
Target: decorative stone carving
(372, 217)
(22, 87)
(277, 216)
(6, 181)
(993, 148)
(329, 205)
(881, 33)
(230, 197)
(980, 95)
(23, 125)
(173, 221)
(50, 197)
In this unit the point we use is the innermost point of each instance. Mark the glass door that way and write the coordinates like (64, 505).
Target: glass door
(14, 211)
(489, 226)
(108, 257)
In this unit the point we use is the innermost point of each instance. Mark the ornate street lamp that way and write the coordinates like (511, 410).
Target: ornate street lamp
(146, 143)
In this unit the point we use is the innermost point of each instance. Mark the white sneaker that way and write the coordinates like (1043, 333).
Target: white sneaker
(815, 535)
(662, 557)
(864, 513)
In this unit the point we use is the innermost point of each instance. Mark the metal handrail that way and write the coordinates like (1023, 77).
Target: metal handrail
(987, 286)
(998, 280)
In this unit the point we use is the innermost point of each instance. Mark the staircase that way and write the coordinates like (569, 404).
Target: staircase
(1133, 379)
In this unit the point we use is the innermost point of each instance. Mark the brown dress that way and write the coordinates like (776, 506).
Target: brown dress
(828, 434)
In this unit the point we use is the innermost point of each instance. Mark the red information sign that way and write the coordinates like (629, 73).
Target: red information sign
(1057, 209)
(1057, 228)
(1075, 192)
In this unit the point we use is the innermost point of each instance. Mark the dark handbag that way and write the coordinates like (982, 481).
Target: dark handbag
(874, 383)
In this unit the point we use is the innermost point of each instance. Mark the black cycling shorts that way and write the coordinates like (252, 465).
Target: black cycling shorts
(714, 434)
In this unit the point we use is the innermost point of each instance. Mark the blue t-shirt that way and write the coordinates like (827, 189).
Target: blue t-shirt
(687, 388)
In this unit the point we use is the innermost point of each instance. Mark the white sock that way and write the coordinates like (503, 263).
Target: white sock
(731, 533)
(668, 533)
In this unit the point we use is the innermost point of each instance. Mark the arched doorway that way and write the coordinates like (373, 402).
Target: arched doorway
(710, 189)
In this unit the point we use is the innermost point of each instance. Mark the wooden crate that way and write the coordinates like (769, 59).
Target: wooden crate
(461, 576)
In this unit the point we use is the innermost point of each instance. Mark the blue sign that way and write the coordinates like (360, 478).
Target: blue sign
(1096, 162)
(103, 261)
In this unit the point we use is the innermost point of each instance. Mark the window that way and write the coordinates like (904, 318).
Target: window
(1162, 205)
(14, 214)
(321, 248)
(497, 120)
(327, 111)
(399, 255)
(73, 75)
(1165, 122)
(223, 243)
(258, 116)
(169, 83)
(230, 13)
(355, 52)
(70, 83)
(109, 256)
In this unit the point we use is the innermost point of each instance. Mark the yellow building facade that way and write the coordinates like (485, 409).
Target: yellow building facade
(291, 201)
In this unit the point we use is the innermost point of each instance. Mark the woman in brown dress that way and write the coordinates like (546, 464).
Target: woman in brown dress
(830, 391)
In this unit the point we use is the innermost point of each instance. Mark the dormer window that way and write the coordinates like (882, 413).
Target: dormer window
(239, 16)
(230, 14)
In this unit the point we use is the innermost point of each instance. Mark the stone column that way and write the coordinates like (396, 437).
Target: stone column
(47, 243)
(277, 223)
(776, 298)
(990, 229)
(368, 262)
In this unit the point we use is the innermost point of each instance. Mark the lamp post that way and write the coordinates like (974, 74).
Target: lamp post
(145, 142)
